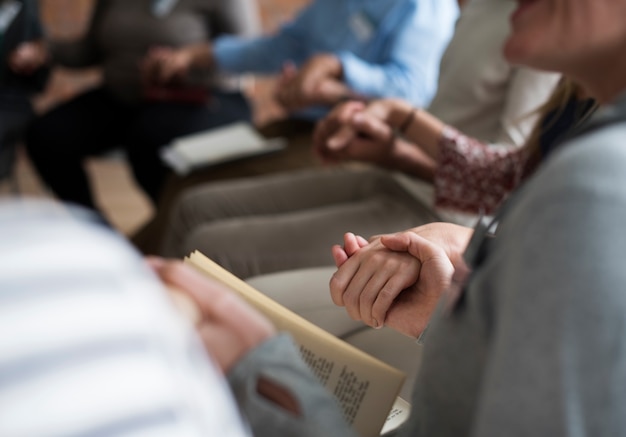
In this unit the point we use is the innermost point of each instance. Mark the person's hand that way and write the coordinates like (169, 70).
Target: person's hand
(379, 287)
(351, 244)
(317, 82)
(28, 57)
(359, 132)
(228, 326)
(164, 65)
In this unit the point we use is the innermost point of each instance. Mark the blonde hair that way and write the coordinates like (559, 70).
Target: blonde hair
(564, 91)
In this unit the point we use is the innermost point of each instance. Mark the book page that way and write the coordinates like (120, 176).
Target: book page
(397, 416)
(365, 386)
(215, 146)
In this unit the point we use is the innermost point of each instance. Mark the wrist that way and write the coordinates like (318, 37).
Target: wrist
(408, 121)
(400, 113)
(199, 55)
(334, 67)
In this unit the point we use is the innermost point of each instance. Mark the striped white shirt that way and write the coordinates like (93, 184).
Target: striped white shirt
(90, 344)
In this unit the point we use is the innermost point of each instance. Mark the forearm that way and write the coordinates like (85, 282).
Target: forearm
(412, 160)
(418, 126)
(279, 395)
(416, 151)
(200, 55)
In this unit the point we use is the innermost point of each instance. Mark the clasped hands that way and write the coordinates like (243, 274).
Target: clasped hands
(363, 131)
(165, 65)
(394, 280)
(397, 279)
(318, 82)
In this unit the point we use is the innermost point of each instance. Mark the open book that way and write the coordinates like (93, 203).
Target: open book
(215, 146)
(366, 388)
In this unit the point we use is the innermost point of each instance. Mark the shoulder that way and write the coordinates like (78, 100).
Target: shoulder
(566, 224)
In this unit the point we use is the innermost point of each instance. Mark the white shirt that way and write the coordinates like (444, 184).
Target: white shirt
(90, 343)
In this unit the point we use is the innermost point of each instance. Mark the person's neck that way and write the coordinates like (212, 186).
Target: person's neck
(608, 85)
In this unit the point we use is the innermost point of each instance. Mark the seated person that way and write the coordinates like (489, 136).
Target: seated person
(530, 342)
(91, 341)
(567, 108)
(135, 108)
(330, 51)
(286, 221)
(333, 50)
(23, 73)
(380, 52)
(520, 346)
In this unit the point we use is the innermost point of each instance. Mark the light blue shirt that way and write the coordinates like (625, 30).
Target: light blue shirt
(388, 48)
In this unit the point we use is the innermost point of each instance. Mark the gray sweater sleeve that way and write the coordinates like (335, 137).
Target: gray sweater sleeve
(557, 360)
(279, 361)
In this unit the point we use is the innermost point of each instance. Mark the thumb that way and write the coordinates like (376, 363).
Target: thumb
(407, 242)
(425, 251)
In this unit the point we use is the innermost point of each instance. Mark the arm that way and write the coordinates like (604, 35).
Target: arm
(420, 33)
(427, 149)
(475, 177)
(354, 131)
(558, 358)
(273, 386)
(163, 65)
(395, 70)
(265, 54)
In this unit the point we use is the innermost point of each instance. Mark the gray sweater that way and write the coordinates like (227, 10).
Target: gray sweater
(536, 345)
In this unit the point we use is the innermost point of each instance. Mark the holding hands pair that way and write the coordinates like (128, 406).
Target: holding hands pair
(397, 279)
(394, 280)
(358, 131)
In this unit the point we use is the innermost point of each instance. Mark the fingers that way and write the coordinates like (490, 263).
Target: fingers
(164, 64)
(335, 131)
(339, 255)
(229, 327)
(408, 242)
(362, 241)
(369, 282)
(340, 280)
(437, 269)
(350, 243)
(372, 127)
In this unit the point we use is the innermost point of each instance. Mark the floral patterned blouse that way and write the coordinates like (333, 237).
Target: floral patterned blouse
(475, 177)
